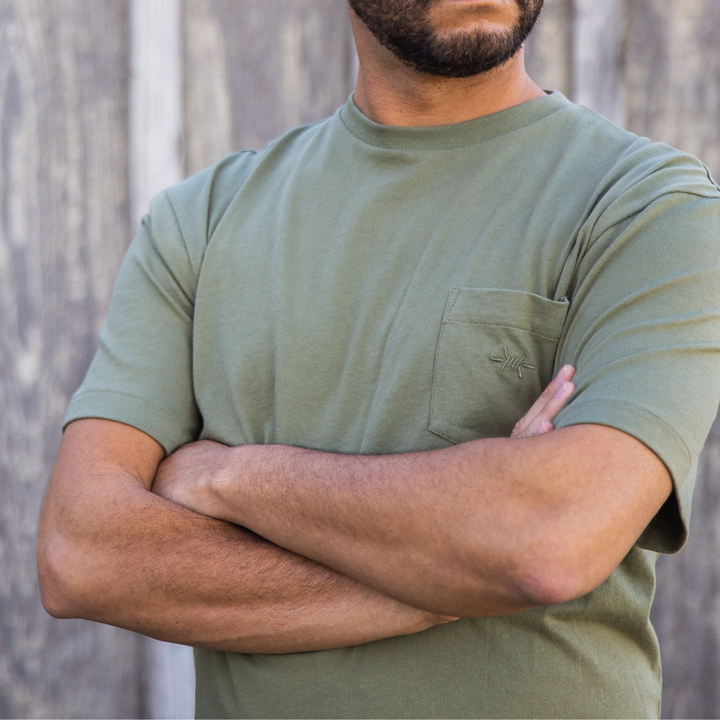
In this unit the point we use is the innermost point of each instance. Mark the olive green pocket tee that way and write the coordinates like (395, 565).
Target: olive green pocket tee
(360, 288)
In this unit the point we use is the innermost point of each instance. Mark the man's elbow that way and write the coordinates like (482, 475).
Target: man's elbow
(62, 589)
(553, 585)
(54, 600)
(539, 573)
(557, 577)
(514, 584)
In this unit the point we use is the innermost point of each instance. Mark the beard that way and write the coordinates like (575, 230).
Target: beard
(404, 27)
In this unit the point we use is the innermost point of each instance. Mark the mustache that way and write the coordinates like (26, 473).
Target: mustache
(524, 5)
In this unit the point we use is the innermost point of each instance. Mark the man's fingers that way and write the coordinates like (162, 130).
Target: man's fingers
(541, 422)
(565, 374)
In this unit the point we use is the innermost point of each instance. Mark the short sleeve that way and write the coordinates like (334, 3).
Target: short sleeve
(643, 329)
(141, 374)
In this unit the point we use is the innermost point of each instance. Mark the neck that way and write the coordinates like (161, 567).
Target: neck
(391, 93)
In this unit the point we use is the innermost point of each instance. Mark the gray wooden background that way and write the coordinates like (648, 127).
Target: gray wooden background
(103, 103)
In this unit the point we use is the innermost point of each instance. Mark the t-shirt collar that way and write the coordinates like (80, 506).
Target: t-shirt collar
(444, 137)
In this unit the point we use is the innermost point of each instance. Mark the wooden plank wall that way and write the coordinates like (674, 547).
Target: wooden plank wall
(63, 231)
(103, 103)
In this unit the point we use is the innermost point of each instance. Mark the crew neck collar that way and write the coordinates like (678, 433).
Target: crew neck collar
(445, 137)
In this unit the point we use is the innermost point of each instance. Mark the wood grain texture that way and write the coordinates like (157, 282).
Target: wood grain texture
(63, 196)
(63, 93)
(673, 95)
(169, 680)
(673, 74)
(254, 70)
(548, 50)
(156, 100)
(598, 39)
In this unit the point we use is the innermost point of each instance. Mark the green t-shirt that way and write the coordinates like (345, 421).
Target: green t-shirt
(369, 289)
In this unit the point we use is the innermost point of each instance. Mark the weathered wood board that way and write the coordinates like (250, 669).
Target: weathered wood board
(549, 50)
(254, 70)
(64, 229)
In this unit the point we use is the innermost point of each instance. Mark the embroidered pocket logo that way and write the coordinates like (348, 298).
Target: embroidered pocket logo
(512, 362)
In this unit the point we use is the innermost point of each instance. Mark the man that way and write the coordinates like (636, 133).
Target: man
(353, 321)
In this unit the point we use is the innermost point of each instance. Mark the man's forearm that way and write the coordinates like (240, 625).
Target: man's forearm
(402, 523)
(113, 552)
(484, 528)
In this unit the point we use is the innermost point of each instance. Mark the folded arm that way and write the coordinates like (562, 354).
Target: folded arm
(484, 528)
(111, 551)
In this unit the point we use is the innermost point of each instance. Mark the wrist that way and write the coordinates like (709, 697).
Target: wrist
(233, 481)
(219, 480)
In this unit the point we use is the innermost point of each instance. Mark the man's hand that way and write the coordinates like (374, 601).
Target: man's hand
(187, 476)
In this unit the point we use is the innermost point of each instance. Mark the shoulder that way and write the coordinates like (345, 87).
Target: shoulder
(630, 173)
(185, 216)
(623, 155)
(200, 202)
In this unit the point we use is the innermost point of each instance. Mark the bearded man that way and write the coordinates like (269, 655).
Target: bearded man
(314, 444)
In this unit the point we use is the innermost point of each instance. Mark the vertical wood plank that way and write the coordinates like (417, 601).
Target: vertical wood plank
(207, 91)
(277, 64)
(673, 80)
(64, 210)
(673, 74)
(598, 57)
(169, 673)
(156, 150)
(156, 162)
(548, 50)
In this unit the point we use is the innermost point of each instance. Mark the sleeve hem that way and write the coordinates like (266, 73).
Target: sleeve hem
(155, 421)
(668, 531)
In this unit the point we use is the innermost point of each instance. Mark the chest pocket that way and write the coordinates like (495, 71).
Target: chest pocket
(495, 355)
